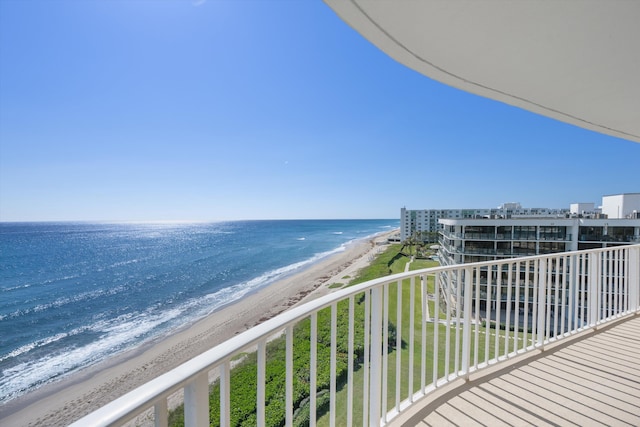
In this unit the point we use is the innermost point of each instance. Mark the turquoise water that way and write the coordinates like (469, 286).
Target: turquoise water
(73, 294)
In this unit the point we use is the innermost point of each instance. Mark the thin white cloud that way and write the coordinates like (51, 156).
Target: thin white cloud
(199, 2)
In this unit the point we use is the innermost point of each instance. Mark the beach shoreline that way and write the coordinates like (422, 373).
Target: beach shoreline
(69, 399)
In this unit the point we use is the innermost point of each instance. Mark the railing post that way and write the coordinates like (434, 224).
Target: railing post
(350, 361)
(436, 317)
(313, 369)
(334, 344)
(425, 318)
(633, 278)
(398, 342)
(161, 414)
(375, 381)
(467, 318)
(366, 404)
(260, 391)
(225, 394)
(412, 307)
(196, 402)
(593, 283)
(542, 300)
(447, 333)
(573, 293)
(385, 348)
(289, 377)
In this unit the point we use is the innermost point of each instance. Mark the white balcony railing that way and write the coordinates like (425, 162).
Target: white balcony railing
(452, 321)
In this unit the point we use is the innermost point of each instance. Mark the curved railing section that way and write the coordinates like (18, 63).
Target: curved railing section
(364, 354)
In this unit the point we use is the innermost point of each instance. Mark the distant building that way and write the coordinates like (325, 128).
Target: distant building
(464, 240)
(584, 209)
(625, 205)
(419, 223)
(471, 235)
(475, 240)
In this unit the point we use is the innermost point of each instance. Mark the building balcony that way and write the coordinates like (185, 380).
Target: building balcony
(609, 238)
(510, 237)
(555, 238)
(478, 251)
(429, 346)
(573, 383)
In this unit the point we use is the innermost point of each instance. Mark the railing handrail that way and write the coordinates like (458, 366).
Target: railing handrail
(147, 394)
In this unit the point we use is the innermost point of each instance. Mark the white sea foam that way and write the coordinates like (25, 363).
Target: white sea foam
(128, 262)
(59, 302)
(59, 279)
(40, 343)
(13, 288)
(46, 282)
(116, 335)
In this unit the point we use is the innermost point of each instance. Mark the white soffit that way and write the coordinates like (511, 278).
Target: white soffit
(575, 61)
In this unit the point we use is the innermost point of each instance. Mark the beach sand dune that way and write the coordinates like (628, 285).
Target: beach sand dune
(61, 403)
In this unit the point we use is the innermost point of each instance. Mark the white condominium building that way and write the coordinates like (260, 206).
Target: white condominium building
(418, 222)
(475, 240)
(468, 240)
(464, 240)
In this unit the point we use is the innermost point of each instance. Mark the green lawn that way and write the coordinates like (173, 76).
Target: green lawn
(419, 264)
(444, 336)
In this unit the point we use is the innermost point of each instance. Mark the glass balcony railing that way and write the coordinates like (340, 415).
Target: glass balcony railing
(609, 238)
(508, 236)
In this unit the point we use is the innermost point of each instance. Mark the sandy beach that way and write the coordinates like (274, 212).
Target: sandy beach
(61, 403)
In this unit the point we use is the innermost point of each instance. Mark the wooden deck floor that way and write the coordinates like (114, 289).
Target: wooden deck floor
(590, 382)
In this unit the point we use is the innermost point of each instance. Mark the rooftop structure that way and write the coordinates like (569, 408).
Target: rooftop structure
(584, 209)
(621, 205)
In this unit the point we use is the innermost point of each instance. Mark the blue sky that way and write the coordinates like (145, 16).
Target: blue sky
(213, 110)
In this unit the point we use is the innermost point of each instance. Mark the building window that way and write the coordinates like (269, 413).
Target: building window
(553, 233)
(591, 234)
(503, 233)
(524, 248)
(619, 234)
(479, 247)
(479, 232)
(524, 232)
(551, 247)
(504, 248)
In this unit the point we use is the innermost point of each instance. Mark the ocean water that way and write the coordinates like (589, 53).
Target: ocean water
(73, 294)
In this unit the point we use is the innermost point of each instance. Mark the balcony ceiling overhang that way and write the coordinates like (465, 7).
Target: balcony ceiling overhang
(574, 61)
